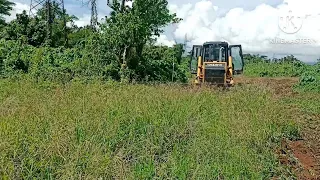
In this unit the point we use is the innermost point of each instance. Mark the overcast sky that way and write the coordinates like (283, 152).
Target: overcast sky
(256, 24)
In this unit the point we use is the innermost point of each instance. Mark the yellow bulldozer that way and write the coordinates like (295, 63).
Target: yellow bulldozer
(216, 63)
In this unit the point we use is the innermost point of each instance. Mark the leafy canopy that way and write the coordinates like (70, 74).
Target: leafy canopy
(5, 8)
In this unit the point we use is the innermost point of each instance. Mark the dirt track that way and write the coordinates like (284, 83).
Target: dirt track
(306, 152)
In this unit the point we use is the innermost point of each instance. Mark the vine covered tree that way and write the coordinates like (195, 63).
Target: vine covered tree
(33, 29)
(131, 28)
(5, 8)
(121, 48)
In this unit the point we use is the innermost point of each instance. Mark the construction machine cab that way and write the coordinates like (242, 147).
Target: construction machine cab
(216, 62)
(215, 52)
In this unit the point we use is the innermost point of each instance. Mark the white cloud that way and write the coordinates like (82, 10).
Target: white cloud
(83, 21)
(163, 41)
(129, 4)
(253, 29)
(18, 8)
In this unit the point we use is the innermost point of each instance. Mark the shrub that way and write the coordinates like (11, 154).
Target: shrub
(93, 61)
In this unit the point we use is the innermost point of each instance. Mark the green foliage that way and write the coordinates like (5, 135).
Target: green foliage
(160, 64)
(105, 131)
(178, 50)
(291, 132)
(309, 82)
(79, 36)
(307, 79)
(128, 30)
(5, 8)
(275, 69)
(89, 62)
(59, 64)
(15, 57)
(117, 50)
(33, 30)
(289, 66)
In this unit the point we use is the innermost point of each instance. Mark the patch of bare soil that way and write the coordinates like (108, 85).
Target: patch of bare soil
(306, 158)
(280, 86)
(311, 135)
(304, 155)
(298, 156)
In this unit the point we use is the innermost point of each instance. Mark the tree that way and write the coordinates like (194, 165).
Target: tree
(5, 8)
(33, 29)
(79, 36)
(130, 29)
(121, 48)
(118, 5)
(58, 23)
(178, 50)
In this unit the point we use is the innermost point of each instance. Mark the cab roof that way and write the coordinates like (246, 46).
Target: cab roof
(216, 42)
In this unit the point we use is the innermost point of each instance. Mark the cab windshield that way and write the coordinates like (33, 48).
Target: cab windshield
(214, 53)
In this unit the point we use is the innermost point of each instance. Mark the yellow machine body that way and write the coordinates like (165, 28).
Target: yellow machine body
(215, 63)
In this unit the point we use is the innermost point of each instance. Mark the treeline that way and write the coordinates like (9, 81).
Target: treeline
(121, 48)
(288, 66)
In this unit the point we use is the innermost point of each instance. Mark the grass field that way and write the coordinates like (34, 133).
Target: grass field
(119, 131)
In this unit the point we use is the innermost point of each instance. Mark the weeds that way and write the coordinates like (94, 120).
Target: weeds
(138, 131)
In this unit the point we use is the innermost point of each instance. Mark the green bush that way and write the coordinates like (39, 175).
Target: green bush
(94, 61)
(274, 69)
(15, 57)
(309, 82)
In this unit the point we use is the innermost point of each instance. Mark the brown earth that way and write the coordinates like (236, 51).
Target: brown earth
(280, 86)
(306, 158)
(302, 156)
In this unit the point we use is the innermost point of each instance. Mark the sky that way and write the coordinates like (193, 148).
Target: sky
(272, 27)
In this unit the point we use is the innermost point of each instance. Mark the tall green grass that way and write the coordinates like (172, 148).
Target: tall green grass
(284, 69)
(138, 131)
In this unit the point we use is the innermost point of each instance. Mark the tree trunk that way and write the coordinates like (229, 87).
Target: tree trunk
(139, 50)
(124, 55)
(122, 8)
